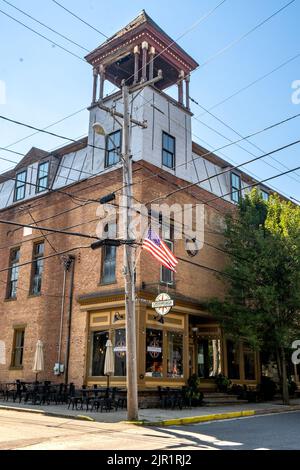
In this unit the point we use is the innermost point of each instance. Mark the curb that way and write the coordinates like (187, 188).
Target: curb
(198, 419)
(167, 422)
(215, 417)
(47, 413)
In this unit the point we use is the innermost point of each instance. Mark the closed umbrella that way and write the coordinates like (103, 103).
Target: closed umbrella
(38, 365)
(109, 366)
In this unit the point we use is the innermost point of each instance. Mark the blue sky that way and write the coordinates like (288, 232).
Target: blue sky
(44, 84)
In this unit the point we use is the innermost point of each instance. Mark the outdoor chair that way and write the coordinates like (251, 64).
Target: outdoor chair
(186, 397)
(59, 394)
(107, 402)
(74, 397)
(170, 398)
(95, 402)
(119, 401)
(12, 390)
(84, 399)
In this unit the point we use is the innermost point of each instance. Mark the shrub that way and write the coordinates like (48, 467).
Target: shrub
(267, 388)
(292, 387)
(193, 392)
(222, 382)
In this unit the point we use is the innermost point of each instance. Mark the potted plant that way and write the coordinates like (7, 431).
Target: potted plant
(194, 395)
(222, 382)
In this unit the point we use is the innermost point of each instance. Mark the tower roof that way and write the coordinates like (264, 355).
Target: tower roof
(116, 53)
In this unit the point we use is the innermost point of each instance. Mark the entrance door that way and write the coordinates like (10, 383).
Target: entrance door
(208, 357)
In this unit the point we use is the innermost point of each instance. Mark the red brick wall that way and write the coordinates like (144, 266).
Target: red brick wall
(42, 314)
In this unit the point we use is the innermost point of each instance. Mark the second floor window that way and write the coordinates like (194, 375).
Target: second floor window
(264, 195)
(13, 273)
(20, 186)
(113, 148)
(109, 254)
(168, 150)
(166, 275)
(37, 268)
(235, 187)
(42, 177)
(18, 347)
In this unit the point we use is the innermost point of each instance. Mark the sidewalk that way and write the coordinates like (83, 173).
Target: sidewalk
(160, 417)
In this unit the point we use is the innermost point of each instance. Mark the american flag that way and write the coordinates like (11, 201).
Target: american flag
(159, 250)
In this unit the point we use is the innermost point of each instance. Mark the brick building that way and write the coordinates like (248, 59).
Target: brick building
(55, 288)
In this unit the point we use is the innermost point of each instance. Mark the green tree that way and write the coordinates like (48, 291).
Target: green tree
(262, 304)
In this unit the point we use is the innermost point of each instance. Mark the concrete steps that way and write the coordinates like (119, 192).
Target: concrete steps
(220, 399)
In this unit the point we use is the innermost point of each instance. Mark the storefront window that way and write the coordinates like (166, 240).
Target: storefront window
(209, 358)
(120, 352)
(154, 353)
(99, 339)
(249, 363)
(175, 355)
(233, 360)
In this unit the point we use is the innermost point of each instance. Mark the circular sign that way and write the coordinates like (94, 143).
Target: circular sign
(163, 304)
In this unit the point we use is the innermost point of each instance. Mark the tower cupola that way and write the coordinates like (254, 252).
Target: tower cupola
(136, 53)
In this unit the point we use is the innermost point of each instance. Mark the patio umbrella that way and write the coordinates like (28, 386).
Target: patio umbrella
(38, 365)
(109, 366)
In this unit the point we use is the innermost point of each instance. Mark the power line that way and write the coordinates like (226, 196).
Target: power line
(225, 146)
(190, 185)
(243, 36)
(47, 229)
(23, 124)
(42, 36)
(259, 182)
(250, 173)
(47, 27)
(19, 123)
(80, 19)
(44, 236)
(47, 127)
(26, 263)
(202, 18)
(231, 142)
(77, 206)
(257, 80)
(205, 16)
(240, 135)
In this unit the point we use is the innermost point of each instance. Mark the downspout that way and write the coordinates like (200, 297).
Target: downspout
(62, 311)
(69, 324)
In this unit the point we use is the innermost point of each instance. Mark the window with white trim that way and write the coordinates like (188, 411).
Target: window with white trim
(43, 176)
(168, 150)
(20, 185)
(235, 187)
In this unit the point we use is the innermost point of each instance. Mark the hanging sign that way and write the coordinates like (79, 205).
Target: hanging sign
(163, 304)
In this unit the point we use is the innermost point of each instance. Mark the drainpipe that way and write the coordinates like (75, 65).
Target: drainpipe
(71, 290)
(67, 261)
(62, 311)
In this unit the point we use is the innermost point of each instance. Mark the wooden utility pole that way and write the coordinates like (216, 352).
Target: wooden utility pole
(129, 250)
(129, 255)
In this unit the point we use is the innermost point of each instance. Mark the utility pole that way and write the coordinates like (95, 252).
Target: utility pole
(128, 241)
(129, 274)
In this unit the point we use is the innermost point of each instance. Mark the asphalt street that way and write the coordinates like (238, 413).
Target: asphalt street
(21, 430)
(273, 432)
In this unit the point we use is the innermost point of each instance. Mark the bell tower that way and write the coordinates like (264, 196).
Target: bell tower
(136, 53)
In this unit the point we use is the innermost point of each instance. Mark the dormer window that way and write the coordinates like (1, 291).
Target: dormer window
(42, 177)
(235, 187)
(20, 185)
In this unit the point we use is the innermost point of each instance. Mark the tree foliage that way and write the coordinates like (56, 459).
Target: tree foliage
(262, 305)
